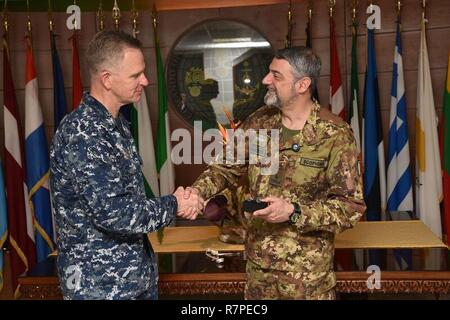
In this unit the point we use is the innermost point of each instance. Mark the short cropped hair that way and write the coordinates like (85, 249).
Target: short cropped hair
(304, 63)
(106, 49)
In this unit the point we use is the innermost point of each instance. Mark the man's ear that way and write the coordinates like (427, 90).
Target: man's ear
(105, 77)
(302, 85)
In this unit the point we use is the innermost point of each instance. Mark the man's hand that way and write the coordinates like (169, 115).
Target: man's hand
(188, 191)
(189, 203)
(277, 211)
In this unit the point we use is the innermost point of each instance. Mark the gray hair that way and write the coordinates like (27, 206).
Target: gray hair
(304, 63)
(106, 49)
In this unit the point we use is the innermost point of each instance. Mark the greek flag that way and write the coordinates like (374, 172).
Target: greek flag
(399, 177)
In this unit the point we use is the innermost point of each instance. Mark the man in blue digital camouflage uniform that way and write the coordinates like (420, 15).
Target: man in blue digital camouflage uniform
(101, 212)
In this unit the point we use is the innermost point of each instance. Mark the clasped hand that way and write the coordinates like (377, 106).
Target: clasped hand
(190, 203)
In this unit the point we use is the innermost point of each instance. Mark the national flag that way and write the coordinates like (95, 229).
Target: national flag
(37, 160)
(3, 223)
(336, 91)
(353, 114)
(77, 86)
(445, 153)
(428, 164)
(59, 95)
(308, 30)
(164, 164)
(353, 118)
(343, 258)
(143, 137)
(399, 177)
(373, 150)
(141, 127)
(20, 220)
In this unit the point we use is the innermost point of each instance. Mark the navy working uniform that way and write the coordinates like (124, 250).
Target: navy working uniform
(101, 212)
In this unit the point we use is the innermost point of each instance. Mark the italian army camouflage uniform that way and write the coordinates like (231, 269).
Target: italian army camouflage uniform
(101, 212)
(296, 261)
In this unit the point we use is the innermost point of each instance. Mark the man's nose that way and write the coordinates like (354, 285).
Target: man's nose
(144, 80)
(267, 79)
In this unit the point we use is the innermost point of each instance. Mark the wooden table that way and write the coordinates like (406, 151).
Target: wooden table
(42, 281)
(365, 235)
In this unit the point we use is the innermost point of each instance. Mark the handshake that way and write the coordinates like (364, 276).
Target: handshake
(190, 203)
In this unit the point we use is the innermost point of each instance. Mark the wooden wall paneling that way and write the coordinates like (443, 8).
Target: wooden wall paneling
(269, 20)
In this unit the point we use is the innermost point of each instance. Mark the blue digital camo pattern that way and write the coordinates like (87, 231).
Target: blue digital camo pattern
(101, 212)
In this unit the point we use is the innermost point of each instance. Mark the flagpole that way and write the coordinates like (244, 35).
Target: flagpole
(288, 41)
(100, 14)
(3, 203)
(50, 16)
(134, 19)
(309, 13)
(5, 19)
(116, 15)
(331, 5)
(37, 163)
(423, 4)
(399, 7)
(29, 25)
(20, 221)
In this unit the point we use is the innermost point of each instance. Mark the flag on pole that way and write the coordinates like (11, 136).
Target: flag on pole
(3, 223)
(308, 30)
(20, 220)
(336, 91)
(343, 258)
(428, 164)
(445, 153)
(399, 177)
(143, 138)
(373, 149)
(59, 95)
(353, 119)
(77, 86)
(164, 164)
(141, 127)
(353, 114)
(37, 160)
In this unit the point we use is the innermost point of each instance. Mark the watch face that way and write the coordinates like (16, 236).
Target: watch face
(294, 217)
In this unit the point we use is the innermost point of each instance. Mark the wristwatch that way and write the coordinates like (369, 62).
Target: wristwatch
(295, 215)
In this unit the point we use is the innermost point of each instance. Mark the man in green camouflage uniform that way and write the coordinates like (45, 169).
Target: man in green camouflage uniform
(316, 193)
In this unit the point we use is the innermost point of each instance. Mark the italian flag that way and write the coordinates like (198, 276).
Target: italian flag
(143, 138)
(163, 148)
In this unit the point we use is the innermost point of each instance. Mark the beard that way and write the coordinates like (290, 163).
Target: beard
(271, 99)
